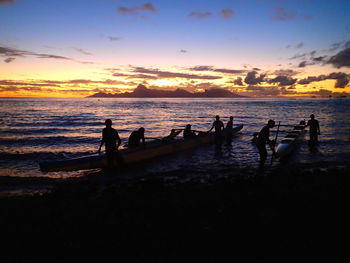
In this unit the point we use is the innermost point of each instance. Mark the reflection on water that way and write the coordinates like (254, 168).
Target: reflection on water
(32, 130)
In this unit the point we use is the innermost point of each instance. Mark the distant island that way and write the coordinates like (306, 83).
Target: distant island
(143, 92)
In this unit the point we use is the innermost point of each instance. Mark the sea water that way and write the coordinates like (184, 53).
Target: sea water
(41, 129)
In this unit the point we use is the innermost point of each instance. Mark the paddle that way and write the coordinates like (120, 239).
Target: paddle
(274, 143)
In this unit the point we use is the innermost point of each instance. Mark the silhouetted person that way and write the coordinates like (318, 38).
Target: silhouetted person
(188, 133)
(262, 139)
(135, 138)
(314, 129)
(172, 135)
(228, 131)
(218, 127)
(111, 140)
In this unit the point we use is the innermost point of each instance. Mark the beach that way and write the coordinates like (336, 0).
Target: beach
(294, 214)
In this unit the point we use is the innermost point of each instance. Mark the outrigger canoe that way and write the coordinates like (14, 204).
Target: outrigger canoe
(288, 144)
(151, 150)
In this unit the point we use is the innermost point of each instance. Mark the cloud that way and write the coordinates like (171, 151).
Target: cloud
(342, 79)
(220, 70)
(253, 79)
(148, 7)
(168, 74)
(183, 51)
(8, 60)
(282, 14)
(11, 53)
(114, 38)
(283, 80)
(80, 50)
(227, 13)
(199, 15)
(341, 59)
(238, 81)
(286, 72)
(7, 2)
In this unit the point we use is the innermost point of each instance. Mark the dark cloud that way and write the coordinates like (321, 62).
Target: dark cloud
(168, 74)
(113, 38)
(11, 53)
(183, 51)
(136, 9)
(283, 80)
(7, 2)
(199, 15)
(342, 79)
(220, 70)
(286, 72)
(80, 50)
(299, 45)
(227, 13)
(8, 60)
(253, 79)
(238, 81)
(341, 59)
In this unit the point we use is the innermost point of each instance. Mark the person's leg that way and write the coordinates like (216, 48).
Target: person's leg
(263, 154)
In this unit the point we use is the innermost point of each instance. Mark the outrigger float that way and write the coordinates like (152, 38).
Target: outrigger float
(151, 150)
(290, 142)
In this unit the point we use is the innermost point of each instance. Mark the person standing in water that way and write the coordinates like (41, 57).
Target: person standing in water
(263, 138)
(111, 140)
(218, 127)
(314, 129)
(228, 131)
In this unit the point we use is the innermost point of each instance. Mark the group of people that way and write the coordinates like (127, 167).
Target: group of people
(220, 130)
(263, 136)
(112, 141)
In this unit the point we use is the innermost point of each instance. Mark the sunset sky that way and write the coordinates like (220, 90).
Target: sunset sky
(75, 48)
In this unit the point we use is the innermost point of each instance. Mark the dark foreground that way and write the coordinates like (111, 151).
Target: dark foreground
(288, 215)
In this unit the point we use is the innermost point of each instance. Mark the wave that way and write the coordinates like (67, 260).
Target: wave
(51, 140)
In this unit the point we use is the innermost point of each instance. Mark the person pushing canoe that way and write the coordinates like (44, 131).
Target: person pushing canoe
(314, 129)
(263, 138)
(228, 131)
(111, 140)
(135, 138)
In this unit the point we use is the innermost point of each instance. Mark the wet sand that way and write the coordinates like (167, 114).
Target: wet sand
(299, 213)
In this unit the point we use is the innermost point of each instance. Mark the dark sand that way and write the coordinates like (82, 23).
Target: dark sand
(294, 214)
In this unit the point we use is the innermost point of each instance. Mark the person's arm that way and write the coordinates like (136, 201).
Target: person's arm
(102, 142)
(143, 139)
(119, 141)
(212, 127)
(318, 128)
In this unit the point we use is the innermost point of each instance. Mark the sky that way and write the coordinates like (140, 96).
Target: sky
(75, 48)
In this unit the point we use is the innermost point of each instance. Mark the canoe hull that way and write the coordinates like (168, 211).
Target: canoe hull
(130, 156)
(290, 142)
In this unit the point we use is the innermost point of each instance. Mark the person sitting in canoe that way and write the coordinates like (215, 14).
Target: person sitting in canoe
(228, 131)
(263, 138)
(188, 133)
(135, 138)
(111, 140)
(314, 129)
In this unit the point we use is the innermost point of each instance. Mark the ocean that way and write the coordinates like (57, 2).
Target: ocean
(40, 129)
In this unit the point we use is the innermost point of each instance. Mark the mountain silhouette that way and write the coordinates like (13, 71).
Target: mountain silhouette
(143, 92)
